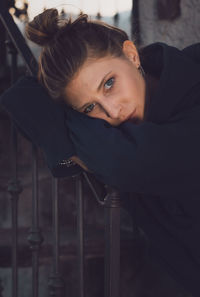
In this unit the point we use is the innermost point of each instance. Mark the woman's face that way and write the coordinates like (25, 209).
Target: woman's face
(110, 88)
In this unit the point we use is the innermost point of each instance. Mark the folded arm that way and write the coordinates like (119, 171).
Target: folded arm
(145, 158)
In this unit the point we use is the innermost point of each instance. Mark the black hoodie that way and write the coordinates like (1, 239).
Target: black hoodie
(159, 159)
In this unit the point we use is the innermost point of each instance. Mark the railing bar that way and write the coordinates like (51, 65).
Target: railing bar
(14, 203)
(35, 274)
(1, 288)
(56, 282)
(14, 249)
(35, 187)
(18, 41)
(80, 234)
(55, 226)
(112, 246)
(35, 223)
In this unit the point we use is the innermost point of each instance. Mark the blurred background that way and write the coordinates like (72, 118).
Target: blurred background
(176, 22)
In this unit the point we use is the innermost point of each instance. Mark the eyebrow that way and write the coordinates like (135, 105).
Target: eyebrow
(98, 88)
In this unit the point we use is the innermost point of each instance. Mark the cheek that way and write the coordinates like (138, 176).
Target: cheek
(129, 92)
(137, 87)
(129, 85)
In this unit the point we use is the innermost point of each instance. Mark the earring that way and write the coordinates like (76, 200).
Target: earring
(140, 68)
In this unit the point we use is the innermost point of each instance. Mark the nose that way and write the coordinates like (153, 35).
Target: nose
(111, 107)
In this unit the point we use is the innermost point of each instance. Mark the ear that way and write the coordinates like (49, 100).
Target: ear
(130, 51)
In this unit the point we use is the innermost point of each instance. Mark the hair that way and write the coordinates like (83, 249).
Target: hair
(66, 45)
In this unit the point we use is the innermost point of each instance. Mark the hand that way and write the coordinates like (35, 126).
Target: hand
(79, 162)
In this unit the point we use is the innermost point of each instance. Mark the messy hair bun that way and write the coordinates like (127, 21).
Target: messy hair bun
(42, 29)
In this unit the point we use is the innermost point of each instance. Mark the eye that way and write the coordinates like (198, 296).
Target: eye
(109, 83)
(89, 108)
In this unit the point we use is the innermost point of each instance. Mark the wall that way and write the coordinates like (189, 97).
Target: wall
(180, 32)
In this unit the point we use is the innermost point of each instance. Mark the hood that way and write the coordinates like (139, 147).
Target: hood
(179, 81)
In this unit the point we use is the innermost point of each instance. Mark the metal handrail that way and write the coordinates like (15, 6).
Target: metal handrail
(18, 41)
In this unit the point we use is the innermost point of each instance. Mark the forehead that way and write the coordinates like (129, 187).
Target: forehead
(92, 71)
(92, 68)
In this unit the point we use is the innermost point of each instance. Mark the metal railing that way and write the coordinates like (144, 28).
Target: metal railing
(17, 45)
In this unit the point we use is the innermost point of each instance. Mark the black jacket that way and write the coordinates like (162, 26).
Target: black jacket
(158, 159)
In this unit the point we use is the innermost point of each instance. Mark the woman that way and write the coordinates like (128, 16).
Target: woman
(135, 123)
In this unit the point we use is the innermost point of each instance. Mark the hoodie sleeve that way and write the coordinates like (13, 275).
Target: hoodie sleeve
(41, 121)
(146, 158)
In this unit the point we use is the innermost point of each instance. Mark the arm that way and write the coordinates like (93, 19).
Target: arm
(41, 121)
(146, 158)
